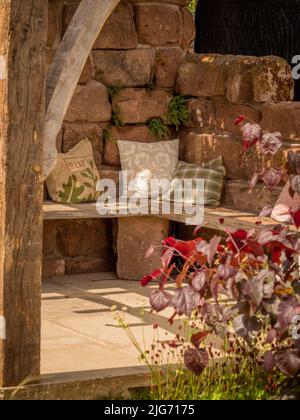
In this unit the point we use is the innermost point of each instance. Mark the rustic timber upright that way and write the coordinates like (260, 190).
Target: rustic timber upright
(23, 125)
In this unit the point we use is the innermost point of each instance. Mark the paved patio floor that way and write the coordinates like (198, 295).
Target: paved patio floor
(79, 329)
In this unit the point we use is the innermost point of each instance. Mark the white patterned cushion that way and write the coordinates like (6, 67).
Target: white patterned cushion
(144, 162)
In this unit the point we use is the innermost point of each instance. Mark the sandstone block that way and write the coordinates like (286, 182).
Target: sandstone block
(139, 105)
(90, 103)
(203, 75)
(53, 266)
(158, 24)
(84, 237)
(119, 32)
(219, 114)
(135, 236)
(87, 72)
(109, 172)
(90, 264)
(74, 133)
(283, 117)
(238, 196)
(168, 61)
(200, 148)
(260, 79)
(188, 28)
(132, 68)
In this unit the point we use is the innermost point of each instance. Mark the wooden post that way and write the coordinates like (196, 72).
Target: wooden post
(23, 27)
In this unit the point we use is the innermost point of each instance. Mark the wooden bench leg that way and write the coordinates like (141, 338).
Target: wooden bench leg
(135, 237)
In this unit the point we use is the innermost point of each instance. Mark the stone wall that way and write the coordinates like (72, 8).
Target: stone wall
(227, 86)
(144, 51)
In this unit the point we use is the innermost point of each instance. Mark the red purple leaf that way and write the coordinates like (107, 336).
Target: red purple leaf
(266, 211)
(296, 218)
(251, 132)
(212, 248)
(197, 339)
(271, 143)
(271, 336)
(214, 286)
(199, 282)
(288, 362)
(159, 300)
(253, 181)
(239, 120)
(256, 288)
(196, 360)
(185, 300)
(154, 276)
(149, 252)
(272, 177)
(269, 362)
(167, 257)
(295, 183)
(288, 308)
(226, 271)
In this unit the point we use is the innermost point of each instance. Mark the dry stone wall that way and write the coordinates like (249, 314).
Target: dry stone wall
(141, 59)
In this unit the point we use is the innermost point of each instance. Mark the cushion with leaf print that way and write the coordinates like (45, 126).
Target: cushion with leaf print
(75, 176)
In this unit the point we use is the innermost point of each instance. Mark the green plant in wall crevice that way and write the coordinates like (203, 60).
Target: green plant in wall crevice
(158, 129)
(192, 6)
(116, 120)
(107, 134)
(178, 111)
(114, 90)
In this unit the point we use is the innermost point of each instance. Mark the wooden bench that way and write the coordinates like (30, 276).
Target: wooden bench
(234, 219)
(136, 236)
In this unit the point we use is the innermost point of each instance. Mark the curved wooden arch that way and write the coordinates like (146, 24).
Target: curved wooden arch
(67, 66)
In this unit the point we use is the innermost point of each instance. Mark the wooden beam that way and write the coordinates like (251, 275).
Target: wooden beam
(67, 66)
(23, 29)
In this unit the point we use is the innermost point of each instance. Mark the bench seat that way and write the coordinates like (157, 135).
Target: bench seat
(235, 219)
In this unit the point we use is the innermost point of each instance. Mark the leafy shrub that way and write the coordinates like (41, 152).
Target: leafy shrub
(255, 271)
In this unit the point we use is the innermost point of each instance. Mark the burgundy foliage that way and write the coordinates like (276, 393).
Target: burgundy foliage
(247, 284)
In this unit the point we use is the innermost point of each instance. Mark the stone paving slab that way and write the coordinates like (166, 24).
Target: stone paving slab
(79, 330)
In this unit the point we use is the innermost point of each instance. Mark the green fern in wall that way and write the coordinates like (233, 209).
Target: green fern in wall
(158, 129)
(116, 120)
(178, 112)
(114, 90)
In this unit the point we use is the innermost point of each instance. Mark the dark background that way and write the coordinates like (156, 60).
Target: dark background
(249, 27)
